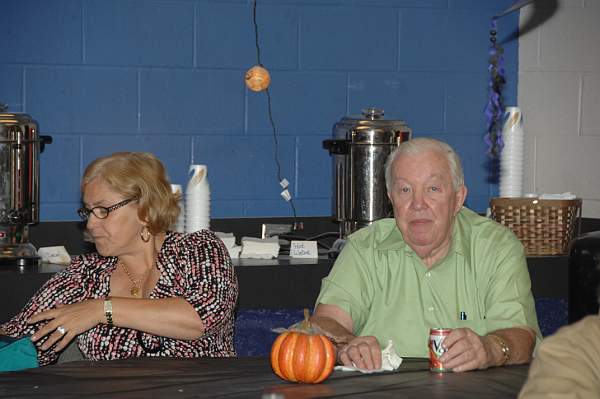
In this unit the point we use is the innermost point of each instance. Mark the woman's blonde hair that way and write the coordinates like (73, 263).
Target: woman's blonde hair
(141, 176)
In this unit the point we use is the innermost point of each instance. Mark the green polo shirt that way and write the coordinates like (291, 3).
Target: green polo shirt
(390, 294)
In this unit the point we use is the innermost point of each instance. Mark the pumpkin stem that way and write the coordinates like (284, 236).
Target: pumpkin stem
(306, 322)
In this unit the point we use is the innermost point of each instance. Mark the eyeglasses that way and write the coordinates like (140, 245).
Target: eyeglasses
(101, 212)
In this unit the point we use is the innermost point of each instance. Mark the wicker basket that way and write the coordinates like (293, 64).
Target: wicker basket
(545, 227)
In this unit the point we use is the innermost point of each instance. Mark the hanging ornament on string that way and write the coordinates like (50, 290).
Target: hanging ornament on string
(258, 78)
(494, 109)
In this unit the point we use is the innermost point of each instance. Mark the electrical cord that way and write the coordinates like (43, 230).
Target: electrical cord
(270, 112)
(301, 238)
(326, 234)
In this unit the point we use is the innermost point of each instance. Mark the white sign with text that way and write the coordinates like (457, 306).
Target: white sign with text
(304, 249)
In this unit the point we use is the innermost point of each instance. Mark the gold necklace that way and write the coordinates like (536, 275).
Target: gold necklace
(135, 284)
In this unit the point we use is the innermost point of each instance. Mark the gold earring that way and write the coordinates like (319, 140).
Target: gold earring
(145, 238)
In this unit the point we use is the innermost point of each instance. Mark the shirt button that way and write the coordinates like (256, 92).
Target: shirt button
(431, 308)
(428, 274)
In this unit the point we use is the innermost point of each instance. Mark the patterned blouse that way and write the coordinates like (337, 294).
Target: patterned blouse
(193, 266)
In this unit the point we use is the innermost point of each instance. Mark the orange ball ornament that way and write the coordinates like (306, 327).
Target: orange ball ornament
(301, 355)
(257, 78)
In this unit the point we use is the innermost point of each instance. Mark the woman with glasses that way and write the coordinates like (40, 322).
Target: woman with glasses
(147, 291)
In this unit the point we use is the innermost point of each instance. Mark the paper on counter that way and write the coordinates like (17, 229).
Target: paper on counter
(57, 255)
(390, 361)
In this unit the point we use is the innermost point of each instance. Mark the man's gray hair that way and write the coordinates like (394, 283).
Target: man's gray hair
(420, 145)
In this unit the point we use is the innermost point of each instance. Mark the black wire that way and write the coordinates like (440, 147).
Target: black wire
(270, 111)
(326, 234)
(256, 32)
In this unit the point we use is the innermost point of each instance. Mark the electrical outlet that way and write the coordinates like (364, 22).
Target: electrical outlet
(275, 229)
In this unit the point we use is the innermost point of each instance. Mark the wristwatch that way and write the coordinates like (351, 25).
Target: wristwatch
(108, 311)
(503, 347)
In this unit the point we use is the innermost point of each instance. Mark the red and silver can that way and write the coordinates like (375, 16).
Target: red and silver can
(436, 337)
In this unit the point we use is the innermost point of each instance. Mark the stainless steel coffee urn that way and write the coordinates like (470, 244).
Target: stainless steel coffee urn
(360, 147)
(20, 147)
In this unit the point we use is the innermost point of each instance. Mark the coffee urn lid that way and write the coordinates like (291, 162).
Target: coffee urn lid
(15, 127)
(370, 128)
(14, 119)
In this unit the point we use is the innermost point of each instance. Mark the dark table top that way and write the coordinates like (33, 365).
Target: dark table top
(249, 378)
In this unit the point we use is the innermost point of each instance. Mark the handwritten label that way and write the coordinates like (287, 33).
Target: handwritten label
(304, 249)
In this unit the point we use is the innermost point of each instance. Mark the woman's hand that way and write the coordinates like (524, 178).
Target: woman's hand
(65, 322)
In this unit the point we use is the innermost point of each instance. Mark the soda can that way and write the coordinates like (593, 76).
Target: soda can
(436, 337)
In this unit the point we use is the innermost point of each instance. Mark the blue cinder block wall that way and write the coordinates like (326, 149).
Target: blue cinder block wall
(166, 76)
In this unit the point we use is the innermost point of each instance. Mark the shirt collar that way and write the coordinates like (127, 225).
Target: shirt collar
(394, 241)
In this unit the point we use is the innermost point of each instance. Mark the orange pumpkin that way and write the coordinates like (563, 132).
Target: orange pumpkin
(302, 356)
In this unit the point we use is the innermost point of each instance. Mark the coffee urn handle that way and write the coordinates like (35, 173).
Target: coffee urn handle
(43, 141)
(336, 146)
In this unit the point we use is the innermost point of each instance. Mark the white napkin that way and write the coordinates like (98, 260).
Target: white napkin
(390, 361)
(229, 241)
(57, 255)
(563, 196)
(257, 248)
(234, 252)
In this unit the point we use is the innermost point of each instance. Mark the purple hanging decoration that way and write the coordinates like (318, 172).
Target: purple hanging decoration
(494, 109)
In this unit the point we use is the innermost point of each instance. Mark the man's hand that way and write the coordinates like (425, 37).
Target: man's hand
(465, 350)
(65, 322)
(361, 352)
(335, 323)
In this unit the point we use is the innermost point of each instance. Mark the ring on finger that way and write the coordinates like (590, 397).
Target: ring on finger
(61, 330)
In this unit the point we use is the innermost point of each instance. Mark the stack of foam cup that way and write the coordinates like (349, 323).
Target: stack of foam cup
(511, 158)
(179, 225)
(197, 200)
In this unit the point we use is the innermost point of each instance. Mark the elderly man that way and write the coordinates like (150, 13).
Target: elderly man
(437, 264)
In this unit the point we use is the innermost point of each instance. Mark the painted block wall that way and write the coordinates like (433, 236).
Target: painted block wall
(559, 93)
(166, 76)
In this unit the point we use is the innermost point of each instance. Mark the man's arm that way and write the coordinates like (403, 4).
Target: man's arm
(519, 340)
(468, 351)
(510, 317)
(362, 352)
(567, 364)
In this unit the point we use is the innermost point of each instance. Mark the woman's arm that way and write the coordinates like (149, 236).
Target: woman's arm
(209, 298)
(64, 287)
(167, 317)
